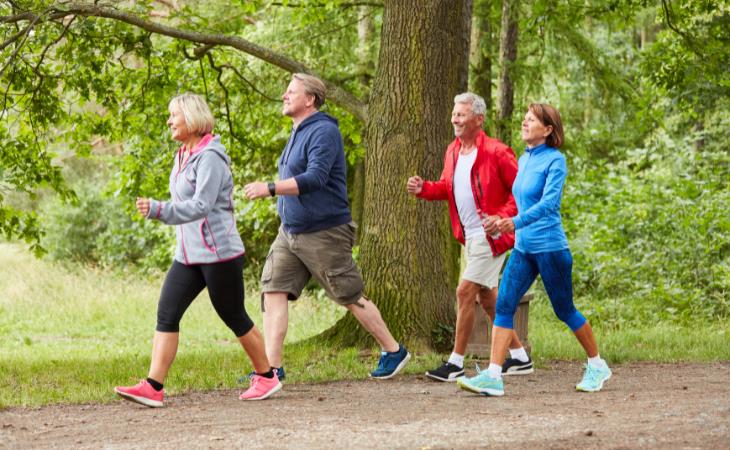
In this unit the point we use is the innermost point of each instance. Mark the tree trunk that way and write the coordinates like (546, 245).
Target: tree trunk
(507, 57)
(408, 257)
(482, 54)
(366, 66)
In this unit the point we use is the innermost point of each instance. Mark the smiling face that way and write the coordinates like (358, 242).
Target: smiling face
(534, 132)
(297, 102)
(466, 123)
(178, 127)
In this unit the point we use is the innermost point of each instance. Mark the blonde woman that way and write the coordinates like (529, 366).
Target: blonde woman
(209, 251)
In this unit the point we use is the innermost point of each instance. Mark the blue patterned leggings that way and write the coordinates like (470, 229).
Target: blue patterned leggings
(556, 270)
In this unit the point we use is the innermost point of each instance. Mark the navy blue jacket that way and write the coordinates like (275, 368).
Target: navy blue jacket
(315, 157)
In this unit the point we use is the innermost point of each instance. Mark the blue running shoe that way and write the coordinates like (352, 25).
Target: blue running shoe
(279, 371)
(593, 378)
(391, 363)
(483, 384)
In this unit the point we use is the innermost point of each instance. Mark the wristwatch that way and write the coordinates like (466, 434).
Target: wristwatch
(272, 188)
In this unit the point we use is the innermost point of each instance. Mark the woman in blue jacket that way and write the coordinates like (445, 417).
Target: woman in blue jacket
(541, 248)
(209, 252)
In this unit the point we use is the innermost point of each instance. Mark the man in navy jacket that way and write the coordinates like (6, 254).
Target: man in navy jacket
(317, 232)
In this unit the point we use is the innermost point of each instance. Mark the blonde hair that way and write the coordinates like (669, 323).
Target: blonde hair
(198, 117)
(312, 86)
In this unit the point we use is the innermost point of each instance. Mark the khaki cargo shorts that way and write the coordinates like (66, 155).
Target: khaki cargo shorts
(325, 255)
(481, 266)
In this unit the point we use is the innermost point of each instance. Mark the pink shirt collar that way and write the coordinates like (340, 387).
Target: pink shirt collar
(201, 145)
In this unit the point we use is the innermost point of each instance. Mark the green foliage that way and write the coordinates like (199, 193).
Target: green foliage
(100, 229)
(651, 237)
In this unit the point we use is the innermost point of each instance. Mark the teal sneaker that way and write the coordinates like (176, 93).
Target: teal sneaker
(483, 384)
(593, 378)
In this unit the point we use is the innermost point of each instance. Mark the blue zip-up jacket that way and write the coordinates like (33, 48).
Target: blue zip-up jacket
(315, 157)
(201, 207)
(537, 189)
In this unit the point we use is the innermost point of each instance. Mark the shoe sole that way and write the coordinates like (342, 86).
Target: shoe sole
(141, 400)
(518, 371)
(271, 392)
(600, 386)
(397, 369)
(486, 391)
(448, 380)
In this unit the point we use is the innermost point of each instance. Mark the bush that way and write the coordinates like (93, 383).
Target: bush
(102, 229)
(651, 237)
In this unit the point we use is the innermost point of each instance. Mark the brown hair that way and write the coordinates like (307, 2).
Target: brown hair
(549, 116)
(312, 86)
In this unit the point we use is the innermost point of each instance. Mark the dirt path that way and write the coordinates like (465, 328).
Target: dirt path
(643, 405)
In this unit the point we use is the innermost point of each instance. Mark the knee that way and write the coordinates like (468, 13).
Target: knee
(167, 323)
(465, 295)
(571, 317)
(240, 327)
(505, 308)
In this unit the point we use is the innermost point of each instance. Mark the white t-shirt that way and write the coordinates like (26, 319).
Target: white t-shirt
(464, 196)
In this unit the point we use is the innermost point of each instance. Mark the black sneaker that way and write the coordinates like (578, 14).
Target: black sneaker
(279, 371)
(447, 372)
(513, 366)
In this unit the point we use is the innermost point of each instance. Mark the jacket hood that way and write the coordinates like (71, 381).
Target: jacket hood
(317, 117)
(210, 143)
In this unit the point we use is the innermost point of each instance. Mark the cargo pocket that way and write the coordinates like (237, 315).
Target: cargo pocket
(345, 283)
(268, 272)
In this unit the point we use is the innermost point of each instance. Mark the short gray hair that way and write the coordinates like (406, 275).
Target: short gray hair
(312, 86)
(478, 106)
(198, 117)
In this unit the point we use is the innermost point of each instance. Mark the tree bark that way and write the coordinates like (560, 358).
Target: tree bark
(507, 58)
(409, 258)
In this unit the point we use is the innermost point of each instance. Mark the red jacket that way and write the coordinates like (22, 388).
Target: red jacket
(492, 176)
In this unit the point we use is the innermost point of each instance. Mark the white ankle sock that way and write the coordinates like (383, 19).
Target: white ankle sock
(519, 354)
(494, 371)
(597, 362)
(457, 359)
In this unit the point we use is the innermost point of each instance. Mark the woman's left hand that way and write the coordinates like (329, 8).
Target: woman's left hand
(506, 225)
(143, 206)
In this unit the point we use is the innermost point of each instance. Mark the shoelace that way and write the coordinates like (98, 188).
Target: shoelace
(592, 374)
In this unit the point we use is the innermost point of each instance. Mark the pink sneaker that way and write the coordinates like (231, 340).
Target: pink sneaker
(261, 388)
(142, 393)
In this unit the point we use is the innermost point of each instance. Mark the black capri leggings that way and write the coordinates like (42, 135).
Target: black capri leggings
(225, 287)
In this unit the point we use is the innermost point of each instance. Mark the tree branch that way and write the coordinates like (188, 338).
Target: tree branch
(690, 42)
(343, 5)
(335, 92)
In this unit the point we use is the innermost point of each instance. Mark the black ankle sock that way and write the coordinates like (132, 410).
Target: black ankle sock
(269, 374)
(156, 385)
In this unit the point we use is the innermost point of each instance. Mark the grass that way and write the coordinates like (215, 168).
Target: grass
(68, 334)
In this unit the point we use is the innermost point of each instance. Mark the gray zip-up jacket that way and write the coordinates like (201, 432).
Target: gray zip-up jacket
(201, 206)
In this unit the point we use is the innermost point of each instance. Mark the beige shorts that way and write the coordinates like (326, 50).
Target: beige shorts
(481, 266)
(325, 255)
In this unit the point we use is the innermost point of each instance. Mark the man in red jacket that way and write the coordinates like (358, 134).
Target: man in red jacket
(477, 182)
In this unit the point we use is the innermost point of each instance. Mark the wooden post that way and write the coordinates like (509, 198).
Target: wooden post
(481, 335)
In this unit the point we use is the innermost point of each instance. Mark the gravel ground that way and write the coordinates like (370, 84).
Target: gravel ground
(644, 405)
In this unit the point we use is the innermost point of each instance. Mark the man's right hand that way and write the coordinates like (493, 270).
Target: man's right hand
(415, 185)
